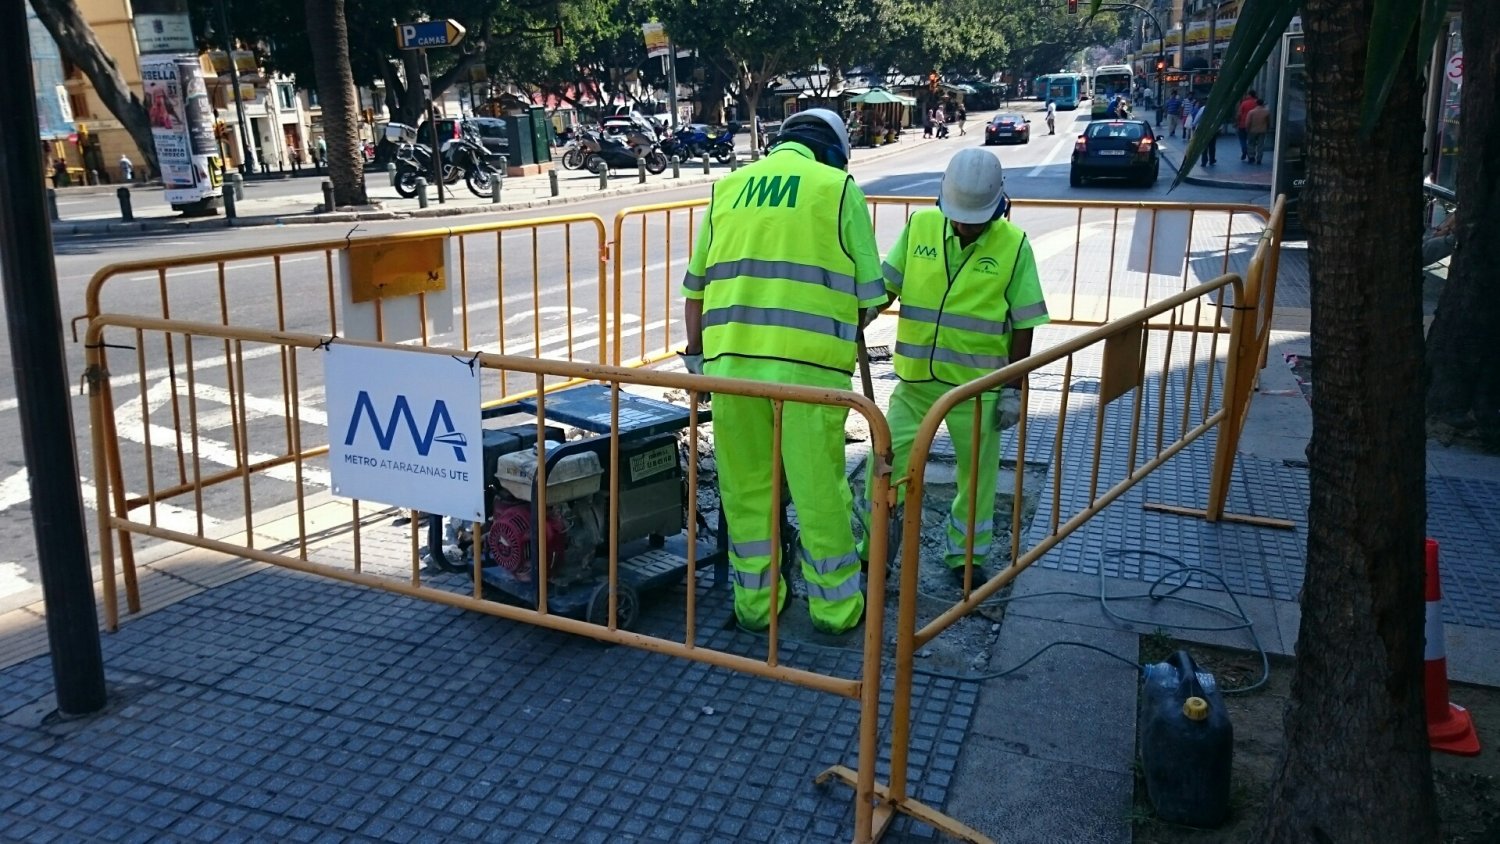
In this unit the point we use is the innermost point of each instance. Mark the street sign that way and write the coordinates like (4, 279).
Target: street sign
(656, 39)
(416, 36)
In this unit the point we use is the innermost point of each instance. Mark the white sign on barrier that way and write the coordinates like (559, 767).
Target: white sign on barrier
(1159, 242)
(404, 429)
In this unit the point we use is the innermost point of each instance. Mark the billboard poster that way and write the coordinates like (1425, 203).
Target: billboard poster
(182, 127)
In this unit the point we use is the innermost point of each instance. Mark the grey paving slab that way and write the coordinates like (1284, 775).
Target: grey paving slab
(1463, 515)
(289, 708)
(1019, 799)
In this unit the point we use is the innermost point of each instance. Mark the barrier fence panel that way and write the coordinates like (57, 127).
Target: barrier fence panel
(652, 245)
(1101, 411)
(345, 541)
(1099, 260)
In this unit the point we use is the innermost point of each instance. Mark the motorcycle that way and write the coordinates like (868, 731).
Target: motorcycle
(606, 152)
(414, 161)
(721, 146)
(474, 160)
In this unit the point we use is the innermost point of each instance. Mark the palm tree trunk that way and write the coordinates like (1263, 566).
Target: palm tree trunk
(1356, 764)
(329, 35)
(1461, 351)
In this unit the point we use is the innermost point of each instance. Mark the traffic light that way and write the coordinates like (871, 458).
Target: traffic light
(1072, 7)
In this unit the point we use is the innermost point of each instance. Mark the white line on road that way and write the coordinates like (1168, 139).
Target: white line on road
(169, 516)
(1062, 145)
(13, 579)
(14, 489)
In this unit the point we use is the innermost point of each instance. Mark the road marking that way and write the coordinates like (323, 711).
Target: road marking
(1051, 158)
(14, 489)
(169, 516)
(13, 579)
(213, 451)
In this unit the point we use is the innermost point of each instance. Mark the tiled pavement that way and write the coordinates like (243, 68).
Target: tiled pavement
(280, 706)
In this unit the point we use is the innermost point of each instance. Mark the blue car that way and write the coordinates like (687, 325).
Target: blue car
(1125, 149)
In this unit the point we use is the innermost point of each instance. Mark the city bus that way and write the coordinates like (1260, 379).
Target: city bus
(1039, 87)
(1063, 89)
(1110, 80)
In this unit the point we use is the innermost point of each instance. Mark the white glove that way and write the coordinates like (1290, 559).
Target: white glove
(694, 363)
(1008, 408)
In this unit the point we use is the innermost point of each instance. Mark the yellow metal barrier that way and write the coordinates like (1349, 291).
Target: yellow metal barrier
(314, 552)
(653, 285)
(1117, 356)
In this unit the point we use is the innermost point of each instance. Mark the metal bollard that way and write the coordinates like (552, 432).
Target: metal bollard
(52, 204)
(497, 181)
(390, 172)
(552, 180)
(229, 210)
(705, 164)
(237, 182)
(94, 178)
(327, 196)
(604, 177)
(125, 213)
(640, 170)
(676, 168)
(734, 162)
(421, 192)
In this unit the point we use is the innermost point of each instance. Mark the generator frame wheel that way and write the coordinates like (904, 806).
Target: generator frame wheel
(628, 605)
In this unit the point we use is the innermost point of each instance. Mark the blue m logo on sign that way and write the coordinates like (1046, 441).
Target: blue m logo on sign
(401, 412)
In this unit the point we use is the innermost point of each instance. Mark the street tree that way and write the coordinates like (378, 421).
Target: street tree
(328, 34)
(1463, 359)
(1355, 764)
(78, 44)
(753, 41)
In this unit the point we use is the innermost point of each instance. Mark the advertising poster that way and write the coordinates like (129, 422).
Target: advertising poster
(182, 126)
(404, 429)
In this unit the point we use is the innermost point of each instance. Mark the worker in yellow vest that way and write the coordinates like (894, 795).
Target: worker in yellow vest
(970, 298)
(784, 268)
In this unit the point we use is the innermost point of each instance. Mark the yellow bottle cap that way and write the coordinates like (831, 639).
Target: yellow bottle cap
(1195, 708)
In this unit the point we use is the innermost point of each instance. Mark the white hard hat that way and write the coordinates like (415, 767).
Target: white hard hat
(824, 117)
(973, 187)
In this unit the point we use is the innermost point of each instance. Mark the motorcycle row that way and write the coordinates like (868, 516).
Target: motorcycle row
(464, 157)
(620, 142)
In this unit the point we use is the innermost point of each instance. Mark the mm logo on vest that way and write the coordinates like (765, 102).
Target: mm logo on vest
(925, 252)
(987, 265)
(763, 191)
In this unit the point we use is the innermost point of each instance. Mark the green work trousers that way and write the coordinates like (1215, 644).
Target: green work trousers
(812, 454)
(910, 402)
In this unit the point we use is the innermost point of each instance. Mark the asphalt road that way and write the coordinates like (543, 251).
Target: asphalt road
(533, 313)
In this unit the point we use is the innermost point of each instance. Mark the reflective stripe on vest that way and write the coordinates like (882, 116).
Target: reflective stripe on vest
(778, 283)
(954, 331)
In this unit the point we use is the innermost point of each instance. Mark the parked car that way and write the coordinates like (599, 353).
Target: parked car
(1116, 148)
(1008, 128)
(491, 132)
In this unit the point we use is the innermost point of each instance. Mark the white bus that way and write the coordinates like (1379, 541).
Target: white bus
(1110, 80)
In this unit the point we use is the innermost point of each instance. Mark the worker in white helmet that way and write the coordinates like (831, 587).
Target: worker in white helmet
(970, 298)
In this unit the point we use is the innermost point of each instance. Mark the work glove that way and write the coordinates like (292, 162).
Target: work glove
(870, 314)
(1008, 408)
(693, 362)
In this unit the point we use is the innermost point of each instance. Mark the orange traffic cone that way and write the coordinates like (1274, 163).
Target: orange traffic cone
(1449, 727)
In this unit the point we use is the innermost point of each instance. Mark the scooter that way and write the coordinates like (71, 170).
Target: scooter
(608, 153)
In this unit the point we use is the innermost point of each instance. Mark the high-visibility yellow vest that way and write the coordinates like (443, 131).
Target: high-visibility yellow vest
(954, 331)
(779, 283)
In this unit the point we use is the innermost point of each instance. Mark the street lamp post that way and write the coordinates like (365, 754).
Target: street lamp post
(234, 79)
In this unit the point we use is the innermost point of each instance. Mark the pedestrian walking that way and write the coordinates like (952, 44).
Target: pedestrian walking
(1211, 149)
(1051, 116)
(927, 121)
(1189, 111)
(127, 168)
(963, 116)
(776, 289)
(1174, 113)
(1246, 104)
(322, 151)
(1257, 124)
(970, 299)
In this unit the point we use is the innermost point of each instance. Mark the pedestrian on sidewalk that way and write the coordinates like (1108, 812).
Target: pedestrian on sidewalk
(927, 121)
(1174, 113)
(127, 169)
(1189, 113)
(1246, 104)
(776, 291)
(1257, 124)
(970, 298)
(1211, 149)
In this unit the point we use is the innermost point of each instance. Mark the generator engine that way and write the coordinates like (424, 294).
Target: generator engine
(650, 507)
